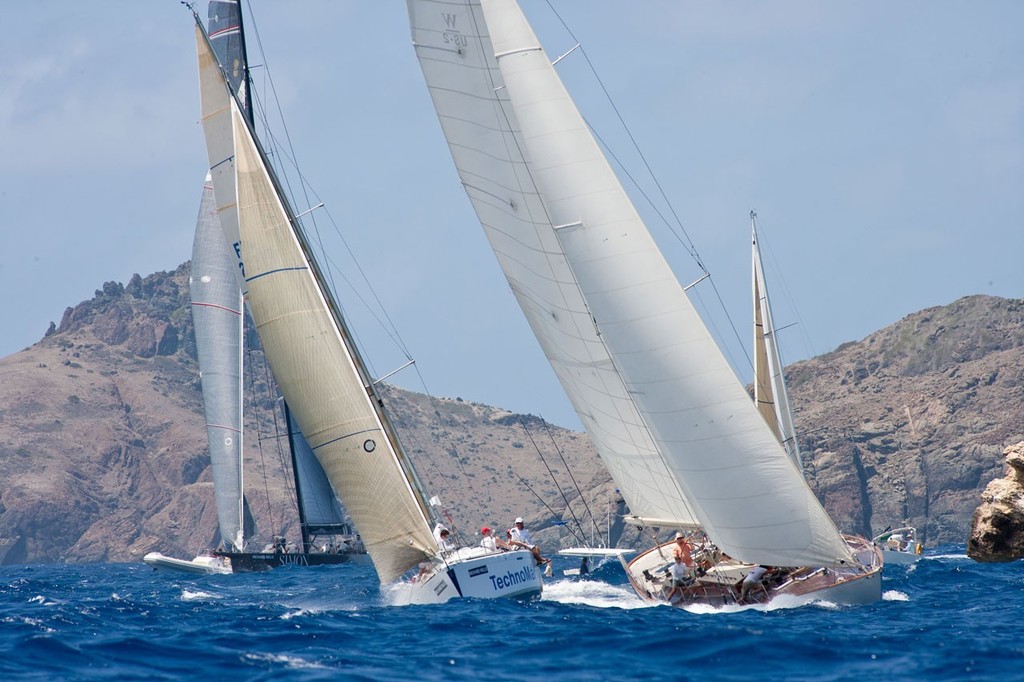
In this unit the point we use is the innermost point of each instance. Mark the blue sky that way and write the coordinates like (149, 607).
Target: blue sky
(881, 143)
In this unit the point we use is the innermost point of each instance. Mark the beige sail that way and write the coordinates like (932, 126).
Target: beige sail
(770, 394)
(317, 374)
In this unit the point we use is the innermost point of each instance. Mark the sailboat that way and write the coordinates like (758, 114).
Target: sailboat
(218, 319)
(899, 546)
(598, 547)
(666, 412)
(322, 377)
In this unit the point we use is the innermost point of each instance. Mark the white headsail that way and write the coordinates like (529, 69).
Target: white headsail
(579, 258)
(217, 319)
(465, 83)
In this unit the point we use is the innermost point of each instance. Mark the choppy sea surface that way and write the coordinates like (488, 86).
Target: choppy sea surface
(946, 618)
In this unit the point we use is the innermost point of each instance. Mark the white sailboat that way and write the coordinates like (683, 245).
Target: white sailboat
(899, 546)
(667, 414)
(322, 377)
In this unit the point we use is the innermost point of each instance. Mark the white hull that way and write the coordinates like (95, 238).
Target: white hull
(595, 551)
(201, 565)
(892, 556)
(899, 546)
(474, 573)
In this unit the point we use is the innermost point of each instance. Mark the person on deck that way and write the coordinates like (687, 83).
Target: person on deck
(490, 542)
(757, 578)
(442, 535)
(680, 577)
(521, 538)
(683, 550)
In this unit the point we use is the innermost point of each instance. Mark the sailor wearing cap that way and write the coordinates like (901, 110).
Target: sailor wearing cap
(521, 538)
(490, 542)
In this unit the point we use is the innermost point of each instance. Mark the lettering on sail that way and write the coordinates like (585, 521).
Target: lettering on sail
(452, 36)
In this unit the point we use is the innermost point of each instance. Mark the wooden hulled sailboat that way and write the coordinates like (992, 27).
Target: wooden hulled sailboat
(322, 377)
(667, 414)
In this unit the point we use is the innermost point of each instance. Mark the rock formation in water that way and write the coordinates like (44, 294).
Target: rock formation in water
(997, 531)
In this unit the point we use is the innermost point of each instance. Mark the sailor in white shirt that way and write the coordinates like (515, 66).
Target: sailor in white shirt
(521, 538)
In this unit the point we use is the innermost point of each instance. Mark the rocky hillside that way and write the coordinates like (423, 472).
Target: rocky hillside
(103, 453)
(908, 425)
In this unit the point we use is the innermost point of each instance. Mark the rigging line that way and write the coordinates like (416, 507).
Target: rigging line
(334, 271)
(547, 427)
(306, 188)
(551, 473)
(691, 248)
(784, 285)
(551, 511)
(539, 222)
(254, 409)
(288, 153)
(274, 96)
(408, 435)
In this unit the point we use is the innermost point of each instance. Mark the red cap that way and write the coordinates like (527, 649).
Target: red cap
(485, 530)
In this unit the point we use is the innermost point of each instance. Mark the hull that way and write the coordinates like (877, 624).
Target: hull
(201, 565)
(896, 557)
(899, 546)
(721, 582)
(474, 573)
(245, 562)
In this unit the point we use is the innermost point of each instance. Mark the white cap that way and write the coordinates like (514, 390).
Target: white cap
(519, 519)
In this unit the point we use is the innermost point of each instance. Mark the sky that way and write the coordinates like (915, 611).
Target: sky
(881, 143)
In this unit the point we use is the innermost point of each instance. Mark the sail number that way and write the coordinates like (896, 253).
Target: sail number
(456, 39)
(451, 36)
(237, 246)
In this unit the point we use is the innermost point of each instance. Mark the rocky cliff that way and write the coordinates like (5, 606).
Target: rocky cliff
(103, 454)
(997, 530)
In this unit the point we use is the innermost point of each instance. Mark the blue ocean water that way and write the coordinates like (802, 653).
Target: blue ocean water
(947, 618)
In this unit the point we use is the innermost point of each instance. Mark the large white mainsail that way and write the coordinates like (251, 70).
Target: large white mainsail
(770, 393)
(465, 84)
(731, 470)
(217, 319)
(311, 354)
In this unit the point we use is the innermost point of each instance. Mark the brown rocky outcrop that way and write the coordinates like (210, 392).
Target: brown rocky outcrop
(997, 531)
(103, 448)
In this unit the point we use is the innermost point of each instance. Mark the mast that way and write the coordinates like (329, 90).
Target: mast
(316, 501)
